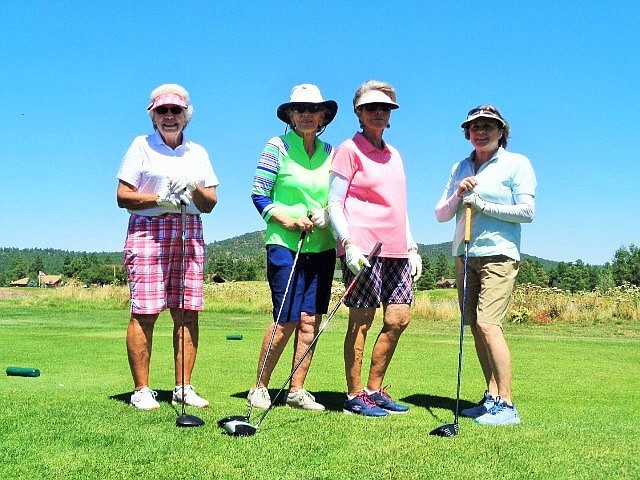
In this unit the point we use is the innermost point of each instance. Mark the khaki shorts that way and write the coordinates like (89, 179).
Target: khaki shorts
(490, 281)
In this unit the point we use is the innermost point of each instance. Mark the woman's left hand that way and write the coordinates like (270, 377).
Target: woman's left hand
(415, 260)
(319, 217)
(475, 200)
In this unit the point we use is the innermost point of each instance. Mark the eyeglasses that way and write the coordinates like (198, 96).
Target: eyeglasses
(306, 107)
(372, 107)
(163, 110)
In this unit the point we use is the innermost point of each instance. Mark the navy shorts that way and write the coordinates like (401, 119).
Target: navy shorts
(387, 281)
(310, 289)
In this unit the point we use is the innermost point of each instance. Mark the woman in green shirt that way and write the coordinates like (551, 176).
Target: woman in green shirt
(290, 191)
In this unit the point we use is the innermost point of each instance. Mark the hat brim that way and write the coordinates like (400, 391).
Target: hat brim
(475, 116)
(375, 96)
(329, 105)
(167, 99)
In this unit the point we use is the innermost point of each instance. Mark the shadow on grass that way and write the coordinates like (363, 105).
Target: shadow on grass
(430, 402)
(164, 396)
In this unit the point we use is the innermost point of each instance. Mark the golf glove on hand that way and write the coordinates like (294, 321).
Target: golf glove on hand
(355, 259)
(166, 199)
(475, 200)
(415, 260)
(181, 184)
(184, 197)
(319, 217)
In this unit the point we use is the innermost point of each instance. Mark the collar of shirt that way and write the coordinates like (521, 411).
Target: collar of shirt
(365, 145)
(472, 156)
(157, 142)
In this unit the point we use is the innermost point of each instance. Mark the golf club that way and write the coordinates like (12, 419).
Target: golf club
(451, 429)
(238, 423)
(239, 426)
(183, 419)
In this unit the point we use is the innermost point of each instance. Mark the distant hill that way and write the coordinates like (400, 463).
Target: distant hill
(248, 245)
(251, 244)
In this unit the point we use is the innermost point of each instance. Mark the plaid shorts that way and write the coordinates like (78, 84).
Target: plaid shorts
(387, 281)
(153, 258)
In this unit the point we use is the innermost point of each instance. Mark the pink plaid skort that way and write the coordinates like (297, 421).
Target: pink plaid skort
(153, 257)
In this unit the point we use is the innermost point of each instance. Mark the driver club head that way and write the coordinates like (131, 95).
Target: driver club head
(237, 426)
(446, 430)
(185, 420)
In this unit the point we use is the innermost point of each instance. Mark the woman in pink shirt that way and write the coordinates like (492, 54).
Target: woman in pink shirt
(367, 205)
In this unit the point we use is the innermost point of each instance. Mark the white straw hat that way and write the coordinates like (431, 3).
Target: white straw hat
(307, 93)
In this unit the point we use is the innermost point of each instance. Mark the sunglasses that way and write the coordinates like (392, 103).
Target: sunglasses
(372, 107)
(163, 110)
(306, 107)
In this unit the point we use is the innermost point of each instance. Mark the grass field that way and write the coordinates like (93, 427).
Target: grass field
(575, 384)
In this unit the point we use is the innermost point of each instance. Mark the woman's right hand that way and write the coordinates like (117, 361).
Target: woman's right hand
(302, 224)
(466, 185)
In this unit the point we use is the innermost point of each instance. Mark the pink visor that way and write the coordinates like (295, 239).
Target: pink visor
(167, 99)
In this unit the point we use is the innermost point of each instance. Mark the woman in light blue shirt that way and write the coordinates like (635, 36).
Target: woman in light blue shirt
(500, 187)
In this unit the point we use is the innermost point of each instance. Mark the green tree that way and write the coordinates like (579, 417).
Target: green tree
(626, 266)
(428, 279)
(443, 267)
(97, 274)
(606, 281)
(36, 267)
(18, 268)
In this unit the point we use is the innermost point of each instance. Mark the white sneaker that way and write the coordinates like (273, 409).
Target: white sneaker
(259, 398)
(145, 399)
(191, 398)
(304, 400)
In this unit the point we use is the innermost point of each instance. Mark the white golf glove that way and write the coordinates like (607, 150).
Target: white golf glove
(182, 188)
(355, 259)
(319, 217)
(166, 199)
(475, 200)
(415, 260)
(178, 185)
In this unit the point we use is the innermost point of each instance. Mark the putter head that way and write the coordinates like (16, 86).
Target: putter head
(446, 430)
(237, 426)
(185, 420)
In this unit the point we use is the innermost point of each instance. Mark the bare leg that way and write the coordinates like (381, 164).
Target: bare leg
(396, 319)
(305, 333)
(282, 335)
(485, 363)
(139, 342)
(360, 320)
(494, 357)
(190, 343)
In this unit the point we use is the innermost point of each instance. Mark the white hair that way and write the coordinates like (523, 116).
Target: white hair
(178, 90)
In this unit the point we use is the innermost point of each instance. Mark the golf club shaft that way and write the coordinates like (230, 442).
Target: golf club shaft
(467, 239)
(183, 225)
(374, 253)
(277, 320)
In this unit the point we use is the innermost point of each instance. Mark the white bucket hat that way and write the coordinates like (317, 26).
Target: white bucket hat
(307, 93)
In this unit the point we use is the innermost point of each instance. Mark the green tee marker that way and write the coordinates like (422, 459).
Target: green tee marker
(23, 372)
(234, 336)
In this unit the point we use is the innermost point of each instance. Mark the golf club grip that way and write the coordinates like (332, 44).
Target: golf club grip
(375, 252)
(467, 223)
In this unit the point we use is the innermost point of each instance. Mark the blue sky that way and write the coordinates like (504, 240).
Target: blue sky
(76, 77)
